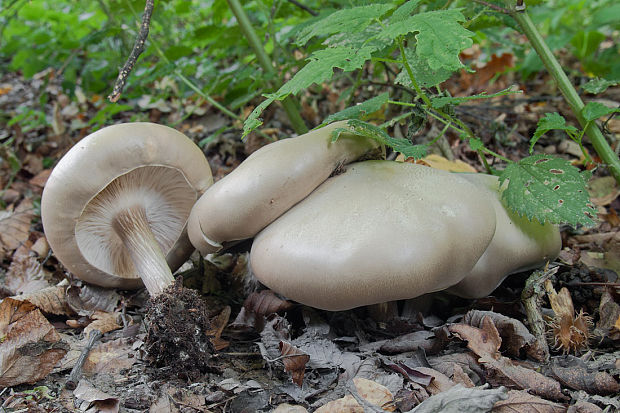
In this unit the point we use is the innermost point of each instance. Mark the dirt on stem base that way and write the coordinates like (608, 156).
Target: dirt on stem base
(178, 337)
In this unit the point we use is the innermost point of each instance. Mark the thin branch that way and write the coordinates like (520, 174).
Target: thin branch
(137, 50)
(303, 7)
(76, 372)
(494, 6)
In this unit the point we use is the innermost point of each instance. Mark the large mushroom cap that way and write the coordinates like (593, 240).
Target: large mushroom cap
(380, 231)
(144, 165)
(518, 245)
(268, 183)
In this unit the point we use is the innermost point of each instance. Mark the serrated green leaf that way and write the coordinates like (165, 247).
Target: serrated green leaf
(475, 144)
(598, 85)
(253, 120)
(344, 21)
(404, 11)
(368, 130)
(549, 122)
(321, 64)
(423, 74)
(358, 111)
(440, 102)
(440, 37)
(548, 188)
(594, 110)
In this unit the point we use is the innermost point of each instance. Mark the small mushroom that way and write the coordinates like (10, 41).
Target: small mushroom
(268, 183)
(116, 205)
(378, 232)
(518, 245)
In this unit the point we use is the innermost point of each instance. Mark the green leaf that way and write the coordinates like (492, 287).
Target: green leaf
(549, 122)
(475, 144)
(321, 64)
(440, 102)
(343, 21)
(548, 188)
(368, 130)
(440, 37)
(594, 110)
(404, 11)
(423, 74)
(253, 121)
(358, 111)
(599, 85)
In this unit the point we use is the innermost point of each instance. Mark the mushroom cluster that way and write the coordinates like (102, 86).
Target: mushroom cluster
(332, 230)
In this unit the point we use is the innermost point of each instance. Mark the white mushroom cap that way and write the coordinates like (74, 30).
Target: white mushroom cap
(380, 231)
(141, 167)
(518, 245)
(268, 183)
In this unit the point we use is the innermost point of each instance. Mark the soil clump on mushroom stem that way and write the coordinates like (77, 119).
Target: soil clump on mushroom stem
(178, 332)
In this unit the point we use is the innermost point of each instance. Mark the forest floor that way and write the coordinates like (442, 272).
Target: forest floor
(270, 354)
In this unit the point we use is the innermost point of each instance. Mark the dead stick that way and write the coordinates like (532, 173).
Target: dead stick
(531, 296)
(76, 372)
(137, 50)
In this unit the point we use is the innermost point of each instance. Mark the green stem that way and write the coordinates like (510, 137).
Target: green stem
(414, 82)
(289, 105)
(570, 94)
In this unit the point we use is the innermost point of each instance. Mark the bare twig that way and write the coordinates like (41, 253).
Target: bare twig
(76, 372)
(303, 7)
(137, 50)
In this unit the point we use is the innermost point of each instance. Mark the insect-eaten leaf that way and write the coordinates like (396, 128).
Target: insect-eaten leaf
(400, 145)
(548, 188)
(594, 110)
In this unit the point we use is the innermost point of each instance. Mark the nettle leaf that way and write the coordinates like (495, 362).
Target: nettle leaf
(549, 122)
(440, 102)
(440, 36)
(475, 144)
(253, 120)
(598, 85)
(321, 64)
(404, 11)
(352, 20)
(368, 130)
(548, 188)
(358, 111)
(423, 74)
(594, 110)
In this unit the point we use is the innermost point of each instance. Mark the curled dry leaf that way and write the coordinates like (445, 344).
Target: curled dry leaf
(584, 407)
(462, 399)
(294, 361)
(523, 402)
(219, 322)
(515, 336)
(15, 226)
(110, 357)
(609, 318)
(30, 347)
(103, 321)
(422, 339)
(26, 274)
(460, 367)
(88, 298)
(570, 332)
(484, 341)
(92, 397)
(256, 307)
(50, 300)
(440, 381)
(573, 372)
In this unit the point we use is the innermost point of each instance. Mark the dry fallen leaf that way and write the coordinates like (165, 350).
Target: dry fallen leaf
(50, 300)
(92, 397)
(370, 391)
(15, 226)
(88, 298)
(30, 347)
(484, 341)
(104, 322)
(573, 372)
(462, 399)
(289, 408)
(110, 357)
(523, 402)
(26, 274)
(219, 323)
(294, 361)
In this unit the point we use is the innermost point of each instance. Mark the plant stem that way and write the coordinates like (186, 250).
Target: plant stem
(570, 94)
(289, 105)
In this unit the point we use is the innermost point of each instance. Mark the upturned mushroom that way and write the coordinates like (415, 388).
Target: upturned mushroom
(380, 231)
(115, 207)
(518, 244)
(268, 183)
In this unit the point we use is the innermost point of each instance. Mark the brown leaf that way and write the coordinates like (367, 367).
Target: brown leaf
(104, 322)
(584, 407)
(503, 371)
(15, 226)
(26, 274)
(110, 357)
(294, 361)
(41, 178)
(422, 339)
(30, 346)
(484, 341)
(289, 408)
(440, 381)
(515, 336)
(571, 332)
(573, 373)
(453, 364)
(375, 393)
(256, 307)
(609, 317)
(219, 323)
(523, 402)
(50, 300)
(88, 298)
(346, 404)
(94, 398)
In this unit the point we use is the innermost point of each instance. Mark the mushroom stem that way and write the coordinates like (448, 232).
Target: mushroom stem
(132, 226)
